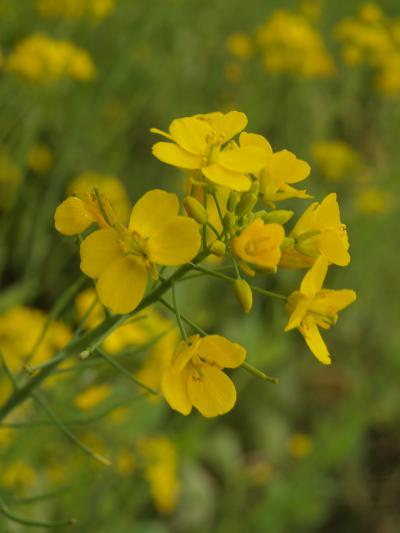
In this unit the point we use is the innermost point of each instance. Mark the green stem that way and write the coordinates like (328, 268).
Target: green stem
(33, 523)
(177, 314)
(184, 318)
(256, 372)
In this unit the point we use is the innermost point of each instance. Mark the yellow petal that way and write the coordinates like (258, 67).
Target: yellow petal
(175, 243)
(247, 159)
(307, 220)
(219, 350)
(335, 248)
(227, 178)
(213, 393)
(330, 300)
(152, 210)
(328, 213)
(313, 280)
(122, 286)
(230, 124)
(254, 139)
(286, 168)
(172, 154)
(315, 342)
(72, 216)
(174, 389)
(161, 132)
(299, 312)
(98, 251)
(191, 134)
(184, 352)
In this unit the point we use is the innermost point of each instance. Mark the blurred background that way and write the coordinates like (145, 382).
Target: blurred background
(82, 81)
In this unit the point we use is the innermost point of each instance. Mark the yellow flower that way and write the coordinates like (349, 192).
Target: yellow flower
(75, 214)
(195, 377)
(259, 244)
(120, 258)
(239, 45)
(300, 445)
(318, 231)
(197, 144)
(373, 201)
(92, 396)
(74, 9)
(335, 158)
(314, 307)
(40, 158)
(279, 171)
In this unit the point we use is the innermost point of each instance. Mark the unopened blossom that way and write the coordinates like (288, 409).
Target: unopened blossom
(201, 143)
(121, 258)
(195, 377)
(313, 307)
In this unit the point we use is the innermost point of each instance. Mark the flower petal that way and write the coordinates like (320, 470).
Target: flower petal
(315, 342)
(246, 159)
(191, 134)
(227, 178)
(152, 211)
(172, 154)
(254, 139)
(336, 300)
(328, 213)
(174, 389)
(121, 287)
(98, 251)
(301, 307)
(313, 280)
(335, 246)
(72, 216)
(230, 124)
(223, 352)
(213, 394)
(286, 168)
(175, 243)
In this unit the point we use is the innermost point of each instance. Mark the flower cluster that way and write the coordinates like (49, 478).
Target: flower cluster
(74, 9)
(372, 39)
(234, 181)
(40, 59)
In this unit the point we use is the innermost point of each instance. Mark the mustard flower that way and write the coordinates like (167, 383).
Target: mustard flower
(120, 258)
(279, 171)
(259, 244)
(200, 143)
(319, 231)
(312, 307)
(195, 377)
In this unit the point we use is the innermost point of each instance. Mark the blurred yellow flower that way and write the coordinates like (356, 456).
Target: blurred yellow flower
(312, 307)
(197, 145)
(40, 158)
(195, 378)
(336, 158)
(125, 462)
(121, 258)
(239, 45)
(318, 231)
(161, 471)
(371, 201)
(299, 444)
(92, 396)
(39, 58)
(16, 475)
(74, 9)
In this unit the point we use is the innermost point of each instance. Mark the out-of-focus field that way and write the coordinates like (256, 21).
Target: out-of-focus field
(81, 83)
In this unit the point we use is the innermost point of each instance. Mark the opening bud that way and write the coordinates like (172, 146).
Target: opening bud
(280, 216)
(233, 200)
(229, 222)
(243, 294)
(218, 248)
(246, 204)
(195, 210)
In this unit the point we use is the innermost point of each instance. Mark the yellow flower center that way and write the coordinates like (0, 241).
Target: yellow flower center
(133, 244)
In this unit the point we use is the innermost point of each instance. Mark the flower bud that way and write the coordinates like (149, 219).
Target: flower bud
(243, 294)
(218, 248)
(246, 204)
(229, 222)
(195, 210)
(280, 216)
(287, 242)
(233, 200)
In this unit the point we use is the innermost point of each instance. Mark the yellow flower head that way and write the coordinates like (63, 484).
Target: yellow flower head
(279, 171)
(120, 258)
(92, 396)
(335, 158)
(75, 214)
(40, 158)
(195, 377)
(312, 307)
(240, 45)
(259, 244)
(200, 143)
(319, 231)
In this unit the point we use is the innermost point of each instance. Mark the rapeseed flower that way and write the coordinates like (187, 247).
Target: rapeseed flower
(319, 231)
(201, 143)
(195, 377)
(120, 258)
(92, 396)
(74, 9)
(312, 307)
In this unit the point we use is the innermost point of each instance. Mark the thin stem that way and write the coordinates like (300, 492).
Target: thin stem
(33, 523)
(256, 372)
(8, 372)
(230, 279)
(184, 318)
(177, 313)
(214, 195)
(202, 274)
(63, 428)
(212, 228)
(235, 266)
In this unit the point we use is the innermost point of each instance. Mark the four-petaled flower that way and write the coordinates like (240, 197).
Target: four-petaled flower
(312, 307)
(195, 377)
(120, 258)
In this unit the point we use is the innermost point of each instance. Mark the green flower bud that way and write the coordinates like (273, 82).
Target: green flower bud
(243, 294)
(233, 200)
(246, 204)
(195, 210)
(218, 248)
(279, 216)
(229, 222)
(287, 242)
